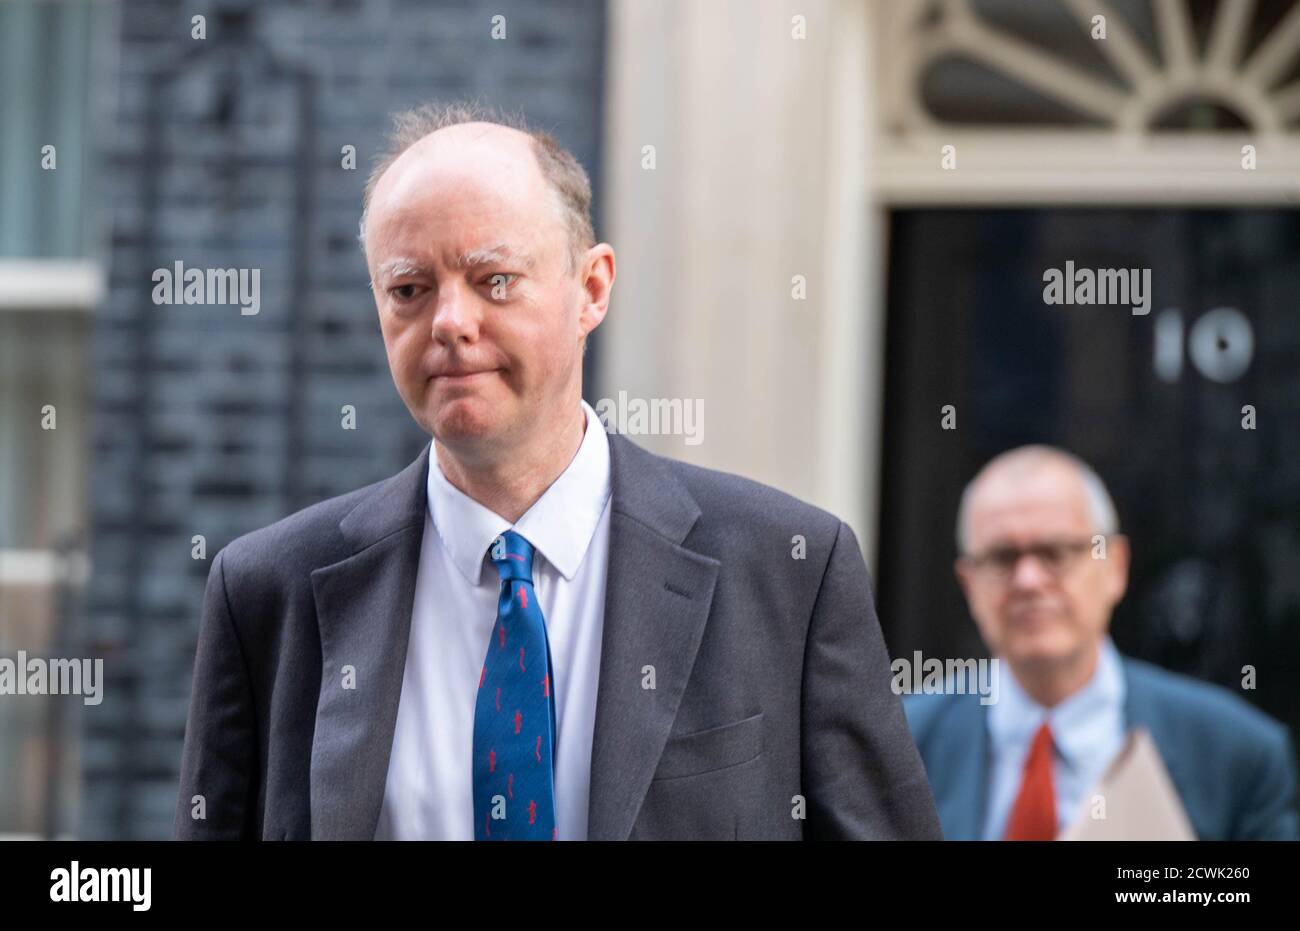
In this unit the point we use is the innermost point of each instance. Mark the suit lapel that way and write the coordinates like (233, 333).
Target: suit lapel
(657, 600)
(363, 609)
(959, 771)
(1142, 709)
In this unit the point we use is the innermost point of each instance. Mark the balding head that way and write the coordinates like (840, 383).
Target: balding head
(1008, 472)
(475, 130)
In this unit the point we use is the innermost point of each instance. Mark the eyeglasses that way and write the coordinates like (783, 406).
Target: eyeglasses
(1056, 556)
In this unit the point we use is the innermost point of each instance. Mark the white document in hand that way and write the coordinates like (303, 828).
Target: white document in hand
(1134, 800)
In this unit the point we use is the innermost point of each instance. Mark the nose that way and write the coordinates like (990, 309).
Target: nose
(1029, 573)
(455, 318)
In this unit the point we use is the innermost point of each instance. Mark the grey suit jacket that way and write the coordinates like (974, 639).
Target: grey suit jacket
(771, 678)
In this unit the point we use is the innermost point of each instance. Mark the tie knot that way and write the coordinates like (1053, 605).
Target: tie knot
(1042, 739)
(513, 556)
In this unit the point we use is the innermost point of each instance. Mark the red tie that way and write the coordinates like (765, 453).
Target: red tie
(1033, 817)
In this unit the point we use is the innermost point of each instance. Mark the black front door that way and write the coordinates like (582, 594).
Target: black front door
(1160, 403)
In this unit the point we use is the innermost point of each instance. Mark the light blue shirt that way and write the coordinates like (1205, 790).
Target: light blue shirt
(1087, 732)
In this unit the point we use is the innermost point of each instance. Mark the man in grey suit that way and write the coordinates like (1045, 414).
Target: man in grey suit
(709, 665)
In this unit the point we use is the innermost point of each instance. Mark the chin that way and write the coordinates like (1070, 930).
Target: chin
(464, 420)
(1044, 648)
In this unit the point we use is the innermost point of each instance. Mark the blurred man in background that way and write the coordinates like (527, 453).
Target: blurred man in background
(1042, 565)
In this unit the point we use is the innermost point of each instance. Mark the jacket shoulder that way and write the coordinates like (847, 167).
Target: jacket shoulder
(307, 538)
(1198, 711)
(739, 501)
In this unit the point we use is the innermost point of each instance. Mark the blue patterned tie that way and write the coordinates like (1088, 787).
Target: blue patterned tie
(514, 717)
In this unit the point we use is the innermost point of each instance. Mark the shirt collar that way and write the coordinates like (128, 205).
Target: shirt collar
(1075, 722)
(560, 524)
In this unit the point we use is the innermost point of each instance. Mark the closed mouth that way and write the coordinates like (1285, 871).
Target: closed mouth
(457, 376)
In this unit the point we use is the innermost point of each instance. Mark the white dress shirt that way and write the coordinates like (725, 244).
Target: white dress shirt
(1087, 732)
(429, 792)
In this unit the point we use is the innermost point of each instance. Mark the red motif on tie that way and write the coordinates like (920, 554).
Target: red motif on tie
(519, 720)
(1033, 817)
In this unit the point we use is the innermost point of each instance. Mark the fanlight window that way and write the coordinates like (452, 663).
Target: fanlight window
(1139, 66)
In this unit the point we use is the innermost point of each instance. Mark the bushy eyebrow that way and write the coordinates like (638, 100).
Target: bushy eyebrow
(494, 255)
(500, 253)
(402, 266)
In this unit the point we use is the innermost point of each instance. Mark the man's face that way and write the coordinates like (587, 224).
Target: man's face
(482, 319)
(1037, 593)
